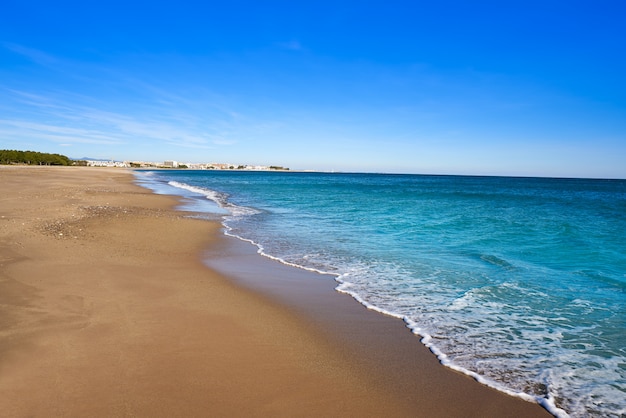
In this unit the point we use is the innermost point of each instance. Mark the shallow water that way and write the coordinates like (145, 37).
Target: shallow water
(520, 282)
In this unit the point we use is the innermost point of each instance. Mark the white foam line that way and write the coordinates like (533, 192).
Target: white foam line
(426, 340)
(209, 194)
(219, 198)
(261, 251)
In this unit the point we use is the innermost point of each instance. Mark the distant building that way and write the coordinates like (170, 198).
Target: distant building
(176, 164)
(101, 163)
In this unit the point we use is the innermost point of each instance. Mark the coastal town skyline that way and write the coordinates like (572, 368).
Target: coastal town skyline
(515, 89)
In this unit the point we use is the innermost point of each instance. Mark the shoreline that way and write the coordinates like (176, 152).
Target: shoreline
(106, 308)
(369, 339)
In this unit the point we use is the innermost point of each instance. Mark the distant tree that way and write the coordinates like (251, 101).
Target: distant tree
(32, 158)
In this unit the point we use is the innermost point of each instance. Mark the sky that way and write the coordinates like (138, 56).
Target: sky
(523, 88)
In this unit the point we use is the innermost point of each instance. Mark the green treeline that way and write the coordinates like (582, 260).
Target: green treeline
(32, 158)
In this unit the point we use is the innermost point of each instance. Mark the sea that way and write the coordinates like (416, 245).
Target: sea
(517, 282)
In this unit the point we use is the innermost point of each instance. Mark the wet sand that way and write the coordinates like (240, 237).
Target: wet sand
(108, 309)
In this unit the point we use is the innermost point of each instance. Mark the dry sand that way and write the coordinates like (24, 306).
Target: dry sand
(107, 310)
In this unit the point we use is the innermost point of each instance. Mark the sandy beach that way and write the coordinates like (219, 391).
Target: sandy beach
(114, 304)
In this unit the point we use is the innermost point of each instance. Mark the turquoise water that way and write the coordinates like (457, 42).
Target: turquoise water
(519, 282)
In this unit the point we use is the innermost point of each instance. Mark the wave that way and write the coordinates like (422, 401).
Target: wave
(221, 199)
(426, 339)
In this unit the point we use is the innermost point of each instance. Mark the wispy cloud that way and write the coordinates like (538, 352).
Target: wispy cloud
(69, 119)
(32, 54)
(109, 109)
(54, 133)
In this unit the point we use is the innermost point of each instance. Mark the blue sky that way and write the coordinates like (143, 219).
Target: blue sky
(449, 87)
